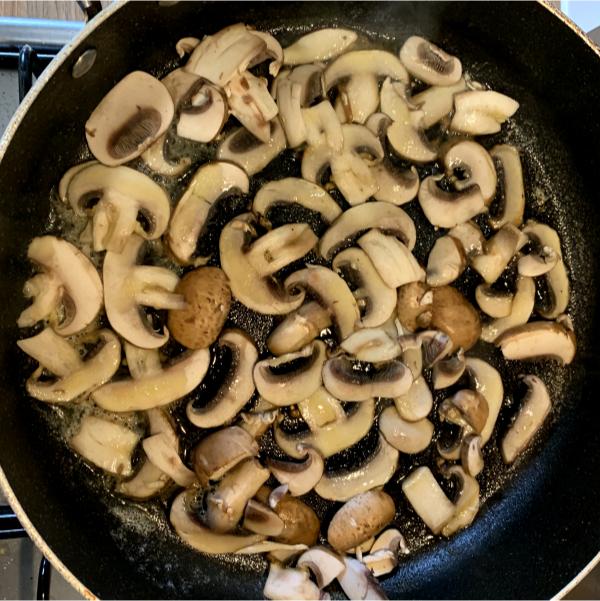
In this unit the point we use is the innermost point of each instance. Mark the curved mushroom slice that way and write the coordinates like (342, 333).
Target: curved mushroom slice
(292, 190)
(498, 251)
(470, 455)
(476, 166)
(70, 293)
(511, 178)
(262, 520)
(155, 390)
(323, 563)
(66, 179)
(289, 103)
(415, 404)
(449, 209)
(437, 102)
(390, 540)
(407, 437)
(129, 118)
(330, 291)
(448, 371)
(222, 450)
(534, 409)
(73, 379)
(372, 344)
(203, 112)
(470, 237)
(186, 46)
(436, 344)
(446, 261)
(412, 355)
(298, 329)
(320, 409)
(272, 50)
(391, 258)
(256, 424)
(362, 141)
(358, 97)
(493, 302)
(386, 217)
(310, 79)
(323, 127)
(210, 183)
(282, 384)
(166, 458)
(537, 264)
(479, 112)
(376, 300)
(352, 177)
(332, 438)
(345, 379)
(520, 311)
(263, 295)
(466, 408)
(430, 64)
(106, 444)
(415, 306)
(154, 156)
(466, 505)
(556, 279)
(358, 582)
(320, 45)
(299, 477)
(539, 339)
(290, 583)
(236, 389)
(142, 362)
(397, 186)
(225, 504)
(252, 155)
(125, 198)
(201, 538)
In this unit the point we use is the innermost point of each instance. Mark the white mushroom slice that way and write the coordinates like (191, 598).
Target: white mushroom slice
(537, 264)
(412, 355)
(476, 165)
(185, 46)
(263, 295)
(252, 155)
(283, 386)
(362, 141)
(391, 258)
(203, 112)
(446, 261)
(470, 455)
(364, 547)
(510, 174)
(165, 457)
(310, 79)
(330, 291)
(407, 437)
(71, 294)
(539, 339)
(129, 118)
(272, 50)
(556, 279)
(479, 112)
(381, 562)
(470, 237)
(289, 103)
(142, 362)
(498, 251)
(210, 183)
(417, 402)
(290, 583)
(487, 381)
(324, 564)
(437, 102)
(534, 409)
(333, 437)
(435, 345)
(262, 520)
(430, 64)
(256, 424)
(449, 209)
(397, 186)
(358, 582)
(467, 504)
(372, 344)
(127, 286)
(225, 504)
(221, 451)
(65, 180)
(320, 409)
(359, 97)
(277, 551)
(376, 471)
(299, 477)
(293, 190)
(251, 104)
(236, 389)
(320, 45)
(201, 538)
(345, 379)
(376, 300)
(428, 499)
(106, 444)
(73, 379)
(466, 408)
(352, 177)
(323, 126)
(156, 390)
(520, 311)
(390, 540)
(154, 156)
(448, 371)
(493, 302)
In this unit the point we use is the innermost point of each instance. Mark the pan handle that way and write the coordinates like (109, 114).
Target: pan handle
(90, 8)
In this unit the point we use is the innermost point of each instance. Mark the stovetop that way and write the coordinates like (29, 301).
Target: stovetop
(26, 46)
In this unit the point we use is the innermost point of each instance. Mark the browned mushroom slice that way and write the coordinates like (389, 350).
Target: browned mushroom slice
(262, 520)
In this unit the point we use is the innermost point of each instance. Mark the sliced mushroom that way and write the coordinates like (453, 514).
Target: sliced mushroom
(309, 77)
(299, 477)
(539, 339)
(479, 112)
(534, 409)
(394, 185)
(252, 155)
(129, 118)
(203, 112)
(165, 456)
(537, 264)
(289, 583)
(185, 46)
(430, 64)
(320, 409)
(320, 45)
(511, 177)
(521, 308)
(345, 379)
(435, 345)
(448, 371)
(358, 97)
(276, 551)
(407, 437)
(358, 582)
(106, 444)
(293, 190)
(256, 424)
(556, 279)
(492, 302)
(290, 378)
(157, 160)
(470, 455)
(414, 307)
(143, 362)
(362, 141)
(262, 520)
(466, 505)
(386, 217)
(380, 562)
(437, 102)
(368, 512)
(222, 450)
(263, 295)
(323, 563)
(323, 127)
(289, 103)
(390, 540)
(470, 237)
(372, 344)
(466, 408)
(446, 261)
(69, 291)
(415, 404)
(412, 355)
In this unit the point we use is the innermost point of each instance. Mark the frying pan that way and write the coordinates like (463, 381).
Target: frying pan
(540, 524)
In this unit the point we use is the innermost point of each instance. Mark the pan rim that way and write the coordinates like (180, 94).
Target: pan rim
(5, 141)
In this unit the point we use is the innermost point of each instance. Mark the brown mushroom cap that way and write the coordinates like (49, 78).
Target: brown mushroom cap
(453, 313)
(414, 308)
